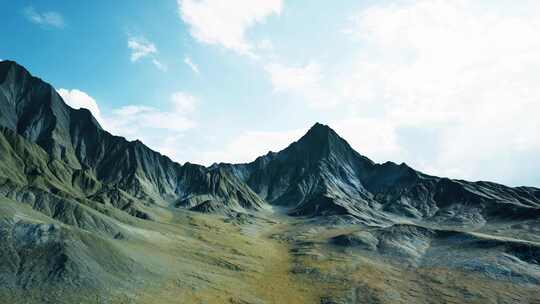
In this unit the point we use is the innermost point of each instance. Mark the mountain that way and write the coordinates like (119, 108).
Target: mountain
(318, 175)
(82, 210)
(33, 109)
(321, 174)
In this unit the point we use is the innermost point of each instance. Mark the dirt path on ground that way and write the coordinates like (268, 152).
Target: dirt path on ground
(277, 284)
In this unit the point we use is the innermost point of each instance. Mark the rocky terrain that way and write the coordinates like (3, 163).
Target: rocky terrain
(89, 217)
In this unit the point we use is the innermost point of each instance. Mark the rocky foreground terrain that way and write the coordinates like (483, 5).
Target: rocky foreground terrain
(89, 217)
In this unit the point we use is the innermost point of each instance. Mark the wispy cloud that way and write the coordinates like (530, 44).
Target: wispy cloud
(141, 48)
(193, 66)
(158, 64)
(47, 18)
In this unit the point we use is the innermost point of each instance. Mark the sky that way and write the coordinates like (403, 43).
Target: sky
(449, 87)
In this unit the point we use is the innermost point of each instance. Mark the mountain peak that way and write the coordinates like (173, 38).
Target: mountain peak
(7, 65)
(320, 142)
(319, 134)
(319, 128)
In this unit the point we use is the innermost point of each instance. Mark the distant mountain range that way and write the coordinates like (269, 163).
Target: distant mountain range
(318, 175)
(60, 162)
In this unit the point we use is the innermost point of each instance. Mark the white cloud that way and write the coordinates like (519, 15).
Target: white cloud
(305, 82)
(144, 122)
(191, 65)
(161, 130)
(133, 120)
(465, 72)
(130, 120)
(225, 22)
(78, 99)
(49, 18)
(141, 48)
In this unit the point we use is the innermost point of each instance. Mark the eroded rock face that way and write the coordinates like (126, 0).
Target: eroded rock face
(362, 240)
(26, 234)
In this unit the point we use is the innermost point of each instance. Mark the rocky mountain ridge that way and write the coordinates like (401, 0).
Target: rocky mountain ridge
(33, 110)
(320, 174)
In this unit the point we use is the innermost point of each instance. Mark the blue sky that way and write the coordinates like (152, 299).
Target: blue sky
(449, 87)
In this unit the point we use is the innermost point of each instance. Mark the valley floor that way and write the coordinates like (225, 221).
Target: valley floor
(243, 263)
(280, 259)
(188, 257)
